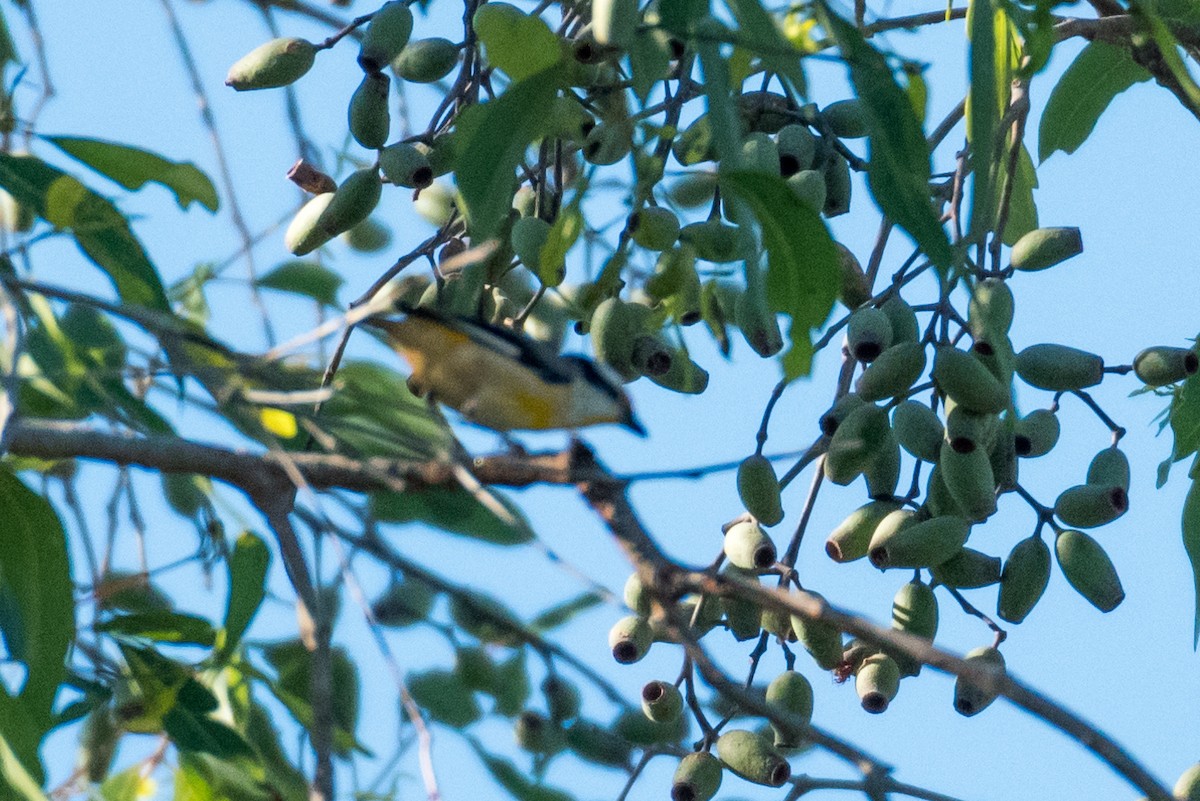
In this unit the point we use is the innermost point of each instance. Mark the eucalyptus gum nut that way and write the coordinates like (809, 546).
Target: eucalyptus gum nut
(441, 153)
(1110, 467)
(792, 693)
(990, 310)
(854, 655)
(694, 143)
(385, 36)
(355, 199)
(758, 154)
(562, 698)
(1036, 433)
(915, 611)
(1161, 365)
(752, 758)
(820, 639)
(840, 410)
(536, 734)
(759, 325)
(596, 743)
(529, 235)
(964, 378)
(697, 778)
(279, 62)
(850, 540)
(304, 234)
(630, 639)
(969, 478)
(846, 118)
(837, 185)
(853, 288)
(764, 112)
(1091, 505)
(743, 617)
(779, 624)
(614, 330)
(368, 117)
(882, 472)
(693, 190)
(404, 164)
(938, 500)
(607, 143)
(809, 187)
(969, 698)
(893, 372)
(855, 443)
(903, 319)
(435, 204)
(877, 681)
(684, 304)
(673, 269)
(1045, 247)
(369, 236)
(892, 524)
(968, 570)
(998, 356)
(637, 729)
(661, 701)
(654, 227)
(1088, 569)
(918, 428)
(717, 242)
(868, 334)
(1187, 788)
(426, 60)
(636, 596)
(1003, 458)
(758, 488)
(967, 431)
(683, 375)
(652, 356)
(924, 544)
(797, 146)
(709, 614)
(747, 546)
(1024, 578)
(1059, 368)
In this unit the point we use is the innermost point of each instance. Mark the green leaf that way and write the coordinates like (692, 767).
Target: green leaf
(122, 786)
(162, 626)
(899, 171)
(678, 16)
(984, 118)
(1098, 74)
(512, 685)
(8, 50)
(494, 138)
(649, 60)
(519, 44)
(515, 782)
(802, 262)
(14, 778)
(723, 121)
(306, 278)
(1191, 544)
(457, 511)
(293, 686)
(762, 36)
(562, 613)
(562, 237)
(1168, 47)
(191, 785)
(1022, 211)
(133, 168)
(248, 566)
(443, 696)
(196, 732)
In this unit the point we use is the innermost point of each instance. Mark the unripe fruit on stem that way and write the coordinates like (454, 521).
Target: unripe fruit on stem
(1003, 457)
(758, 324)
(1024, 579)
(997, 355)
(758, 487)
(435, 204)
(637, 729)
(850, 540)
(967, 431)
(304, 234)
(820, 639)
(536, 734)
(1089, 570)
(853, 290)
(675, 277)
(368, 116)
(369, 236)
(694, 143)
(990, 311)
(654, 227)
(693, 189)
(882, 470)
(697, 778)
(796, 145)
(607, 143)
(846, 118)
(923, 544)
(717, 242)
(915, 611)
(747, 546)
(779, 624)
(405, 164)
(598, 744)
(1059, 368)
(529, 235)
(751, 757)
(1045, 247)
(837, 185)
(969, 478)
(386, 36)
(765, 112)
(279, 62)
(877, 681)
(426, 60)
(790, 692)
(1036, 433)
(868, 334)
(1187, 788)
(938, 500)
(856, 442)
(661, 701)
(918, 429)
(562, 698)
(636, 596)
(615, 327)
(1110, 467)
(652, 356)
(682, 375)
(969, 569)
(1159, 366)
(969, 698)
(840, 410)
(893, 372)
(759, 154)
(1091, 505)
(630, 639)
(903, 318)
(965, 379)
(809, 187)
(354, 200)
(743, 617)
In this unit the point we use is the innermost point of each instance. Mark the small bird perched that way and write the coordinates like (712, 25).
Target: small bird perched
(502, 379)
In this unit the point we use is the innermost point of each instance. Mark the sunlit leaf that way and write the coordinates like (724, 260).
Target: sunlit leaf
(306, 278)
(457, 511)
(15, 781)
(759, 33)
(519, 44)
(162, 626)
(1191, 544)
(192, 731)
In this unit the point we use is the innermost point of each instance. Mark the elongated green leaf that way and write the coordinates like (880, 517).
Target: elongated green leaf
(1191, 544)
(984, 119)
(1022, 211)
(723, 120)
(802, 262)
(192, 731)
(562, 237)
(122, 786)
(1098, 74)
(133, 168)
(1168, 47)
(899, 170)
(15, 781)
(191, 785)
(562, 613)
(293, 664)
(162, 626)
(306, 278)
(512, 685)
(520, 44)
(8, 50)
(248, 566)
(455, 510)
(759, 33)
(514, 781)
(495, 136)
(443, 696)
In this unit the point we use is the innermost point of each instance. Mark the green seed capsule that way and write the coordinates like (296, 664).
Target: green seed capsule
(1036, 433)
(851, 539)
(868, 334)
(882, 471)
(353, 202)
(673, 271)
(1024, 579)
(1187, 788)
(917, 427)
(1059, 368)
(654, 227)
(435, 204)
(1091, 505)
(368, 115)
(915, 611)
(797, 146)
(758, 487)
(752, 758)
(386, 36)
(637, 729)
(840, 410)
(717, 242)
(793, 694)
(997, 355)
(903, 318)
(636, 596)
(846, 118)
(820, 639)
(759, 154)
(304, 234)
(279, 62)
(965, 379)
(630, 639)
(405, 164)
(747, 546)
(969, 698)
(877, 681)
(1003, 457)
(694, 143)
(759, 325)
(369, 236)
(1159, 366)
(853, 289)
(765, 112)
(970, 481)
(529, 235)
(598, 744)
(1109, 467)
(743, 617)
(968, 570)
(809, 186)
(426, 60)
(682, 375)
(837, 185)
(924, 544)
(697, 778)
(440, 153)
(615, 328)
(661, 701)
(607, 143)
(536, 734)
(693, 190)
(1089, 570)
(562, 698)
(893, 372)
(779, 624)
(938, 500)
(856, 442)
(990, 312)
(1045, 247)
(967, 431)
